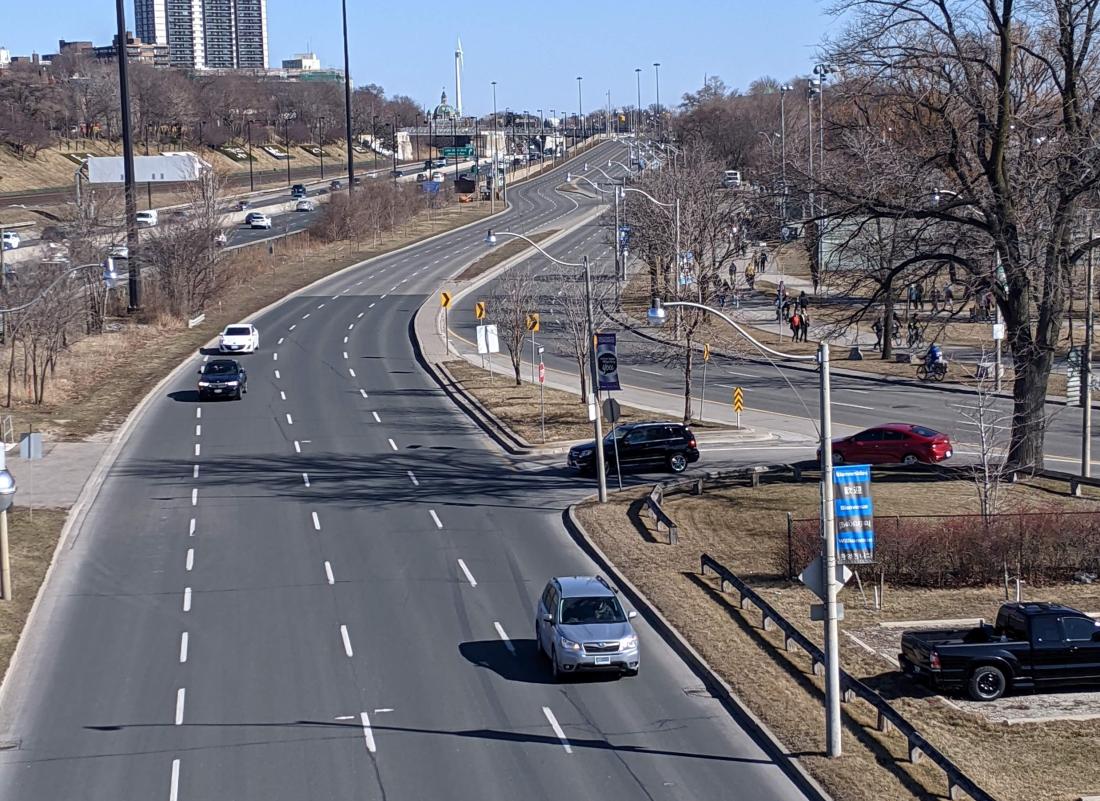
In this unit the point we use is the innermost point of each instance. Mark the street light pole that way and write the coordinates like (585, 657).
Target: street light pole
(638, 110)
(347, 101)
(580, 107)
(1086, 374)
(251, 181)
(783, 143)
(321, 143)
(657, 80)
(286, 144)
(493, 170)
(134, 266)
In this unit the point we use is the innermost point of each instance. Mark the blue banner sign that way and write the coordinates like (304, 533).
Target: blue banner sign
(854, 513)
(607, 363)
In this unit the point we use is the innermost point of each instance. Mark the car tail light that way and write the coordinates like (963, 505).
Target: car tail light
(691, 442)
(934, 660)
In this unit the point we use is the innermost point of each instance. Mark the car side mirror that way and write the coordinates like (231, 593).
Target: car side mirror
(547, 618)
(1096, 636)
(199, 371)
(631, 614)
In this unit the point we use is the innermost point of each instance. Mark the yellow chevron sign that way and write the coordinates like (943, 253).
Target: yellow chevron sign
(479, 309)
(738, 400)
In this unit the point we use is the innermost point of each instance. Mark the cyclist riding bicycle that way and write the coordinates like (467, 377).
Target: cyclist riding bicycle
(934, 356)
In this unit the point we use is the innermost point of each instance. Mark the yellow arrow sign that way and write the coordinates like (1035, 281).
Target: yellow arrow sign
(445, 300)
(479, 309)
(533, 322)
(706, 353)
(738, 400)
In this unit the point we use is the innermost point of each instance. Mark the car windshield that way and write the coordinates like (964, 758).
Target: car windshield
(237, 331)
(220, 368)
(921, 431)
(586, 611)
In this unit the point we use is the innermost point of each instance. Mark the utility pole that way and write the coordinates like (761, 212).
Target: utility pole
(657, 80)
(593, 390)
(1086, 374)
(134, 263)
(832, 642)
(638, 110)
(286, 144)
(251, 181)
(347, 100)
(321, 143)
(580, 107)
(493, 170)
(783, 144)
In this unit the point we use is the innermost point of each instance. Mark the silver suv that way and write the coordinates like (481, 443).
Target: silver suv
(580, 625)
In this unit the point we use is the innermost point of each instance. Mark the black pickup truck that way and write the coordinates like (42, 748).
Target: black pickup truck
(1032, 645)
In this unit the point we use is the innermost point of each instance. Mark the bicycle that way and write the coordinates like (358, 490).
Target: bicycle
(937, 371)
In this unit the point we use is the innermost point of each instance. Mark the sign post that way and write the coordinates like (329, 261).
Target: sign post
(542, 392)
(613, 412)
(488, 344)
(533, 327)
(738, 403)
(703, 395)
(445, 301)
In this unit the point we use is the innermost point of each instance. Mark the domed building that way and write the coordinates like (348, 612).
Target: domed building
(444, 111)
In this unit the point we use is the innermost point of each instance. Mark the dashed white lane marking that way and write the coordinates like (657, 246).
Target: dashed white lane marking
(280, 342)
(186, 599)
(854, 406)
(198, 449)
(191, 528)
(293, 327)
(305, 316)
(359, 316)
(190, 559)
(316, 521)
(323, 305)
(194, 496)
(351, 372)
(857, 391)
(278, 375)
(181, 695)
(384, 296)
(198, 412)
(183, 648)
(345, 354)
(377, 419)
(469, 576)
(305, 479)
(328, 573)
(640, 370)
(345, 291)
(412, 478)
(392, 289)
(274, 357)
(195, 471)
(345, 340)
(289, 419)
(557, 729)
(372, 305)
(363, 392)
(393, 444)
(435, 518)
(297, 447)
(282, 395)
(504, 637)
(174, 787)
(198, 429)
(347, 640)
(357, 283)
(368, 735)
(351, 326)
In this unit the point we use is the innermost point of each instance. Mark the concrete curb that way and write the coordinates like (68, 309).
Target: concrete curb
(745, 717)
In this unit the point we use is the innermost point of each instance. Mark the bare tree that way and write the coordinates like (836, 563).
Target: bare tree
(513, 298)
(568, 305)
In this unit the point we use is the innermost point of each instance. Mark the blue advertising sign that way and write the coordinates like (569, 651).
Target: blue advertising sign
(854, 513)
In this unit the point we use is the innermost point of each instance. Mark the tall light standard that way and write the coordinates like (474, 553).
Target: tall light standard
(619, 262)
(493, 170)
(251, 182)
(638, 110)
(286, 143)
(321, 143)
(832, 644)
(7, 495)
(657, 81)
(783, 143)
(822, 72)
(347, 100)
(134, 284)
(593, 395)
(580, 106)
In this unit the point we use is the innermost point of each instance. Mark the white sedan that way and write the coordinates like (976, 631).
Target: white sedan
(239, 338)
(10, 240)
(259, 221)
(305, 205)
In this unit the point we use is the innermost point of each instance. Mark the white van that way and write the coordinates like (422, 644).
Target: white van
(732, 179)
(146, 219)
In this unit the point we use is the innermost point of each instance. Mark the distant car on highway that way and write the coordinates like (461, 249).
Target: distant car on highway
(439, 162)
(10, 240)
(119, 251)
(242, 205)
(146, 219)
(222, 378)
(580, 625)
(305, 205)
(334, 185)
(298, 190)
(421, 177)
(893, 443)
(672, 445)
(239, 338)
(396, 173)
(258, 220)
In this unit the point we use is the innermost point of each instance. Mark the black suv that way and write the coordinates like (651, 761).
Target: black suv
(641, 444)
(298, 190)
(222, 378)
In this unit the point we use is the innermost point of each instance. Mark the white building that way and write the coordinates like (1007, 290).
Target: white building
(303, 62)
(5, 57)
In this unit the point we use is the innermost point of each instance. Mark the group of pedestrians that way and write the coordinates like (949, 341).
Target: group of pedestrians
(793, 311)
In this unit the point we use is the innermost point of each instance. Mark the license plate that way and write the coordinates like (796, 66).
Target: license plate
(603, 660)
(216, 391)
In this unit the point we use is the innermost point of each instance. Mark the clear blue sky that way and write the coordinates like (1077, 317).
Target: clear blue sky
(534, 51)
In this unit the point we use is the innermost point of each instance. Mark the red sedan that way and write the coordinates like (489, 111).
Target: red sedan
(893, 443)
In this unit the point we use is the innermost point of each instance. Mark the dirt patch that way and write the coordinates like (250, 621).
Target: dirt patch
(33, 537)
(499, 255)
(742, 528)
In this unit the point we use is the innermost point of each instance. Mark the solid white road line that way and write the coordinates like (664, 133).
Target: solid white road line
(412, 478)
(297, 447)
(857, 391)
(198, 412)
(198, 449)
(183, 648)
(191, 528)
(195, 471)
(377, 419)
(557, 729)
(278, 375)
(305, 478)
(328, 573)
(363, 392)
(174, 788)
(289, 419)
(186, 599)
(507, 643)
(854, 406)
(469, 576)
(393, 444)
(316, 522)
(198, 429)
(435, 518)
(368, 735)
(640, 370)
(346, 639)
(194, 496)
(190, 559)
(351, 372)
(282, 395)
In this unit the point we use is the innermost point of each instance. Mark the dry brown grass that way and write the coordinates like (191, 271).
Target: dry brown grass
(499, 255)
(740, 527)
(33, 537)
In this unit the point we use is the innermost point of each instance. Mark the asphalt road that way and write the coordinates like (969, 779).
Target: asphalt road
(326, 591)
(773, 394)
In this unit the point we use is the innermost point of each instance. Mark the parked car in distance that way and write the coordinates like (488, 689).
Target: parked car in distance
(305, 205)
(222, 378)
(1032, 645)
(119, 251)
(732, 179)
(893, 443)
(10, 240)
(146, 219)
(239, 338)
(357, 181)
(259, 220)
(580, 625)
(396, 173)
(640, 445)
(437, 176)
(334, 185)
(421, 177)
(298, 190)
(242, 205)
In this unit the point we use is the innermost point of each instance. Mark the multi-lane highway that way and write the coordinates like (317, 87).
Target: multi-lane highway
(325, 591)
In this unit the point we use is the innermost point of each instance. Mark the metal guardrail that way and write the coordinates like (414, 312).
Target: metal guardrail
(192, 322)
(1074, 480)
(888, 717)
(657, 514)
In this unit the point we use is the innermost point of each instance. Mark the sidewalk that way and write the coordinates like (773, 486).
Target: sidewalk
(55, 480)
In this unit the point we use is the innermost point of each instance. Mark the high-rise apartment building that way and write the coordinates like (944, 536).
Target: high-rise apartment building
(186, 46)
(219, 34)
(151, 21)
(252, 34)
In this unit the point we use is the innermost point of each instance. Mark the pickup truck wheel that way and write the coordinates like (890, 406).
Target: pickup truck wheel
(987, 683)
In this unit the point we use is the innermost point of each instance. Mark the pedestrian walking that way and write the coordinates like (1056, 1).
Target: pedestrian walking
(949, 299)
(796, 326)
(803, 299)
(786, 308)
(935, 297)
(876, 326)
(763, 261)
(803, 326)
(750, 276)
(918, 294)
(778, 306)
(914, 332)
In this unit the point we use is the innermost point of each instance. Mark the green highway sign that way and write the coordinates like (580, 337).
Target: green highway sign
(458, 152)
